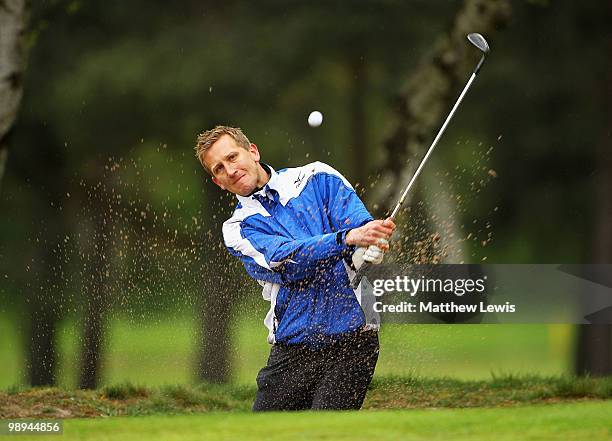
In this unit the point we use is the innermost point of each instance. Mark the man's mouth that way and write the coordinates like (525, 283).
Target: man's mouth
(238, 180)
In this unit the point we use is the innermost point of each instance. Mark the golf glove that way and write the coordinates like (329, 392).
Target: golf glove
(371, 254)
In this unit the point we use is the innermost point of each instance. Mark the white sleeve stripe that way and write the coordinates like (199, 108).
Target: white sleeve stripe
(233, 238)
(270, 292)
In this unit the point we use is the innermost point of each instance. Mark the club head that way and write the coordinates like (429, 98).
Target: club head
(479, 41)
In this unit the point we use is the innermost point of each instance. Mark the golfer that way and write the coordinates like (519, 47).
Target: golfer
(301, 233)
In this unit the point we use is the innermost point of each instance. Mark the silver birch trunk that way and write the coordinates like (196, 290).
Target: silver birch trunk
(13, 54)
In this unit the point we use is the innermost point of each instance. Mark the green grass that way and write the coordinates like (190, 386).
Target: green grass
(162, 352)
(567, 421)
(12, 352)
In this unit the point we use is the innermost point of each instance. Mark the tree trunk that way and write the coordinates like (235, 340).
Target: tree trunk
(594, 342)
(427, 97)
(216, 307)
(214, 363)
(358, 122)
(40, 345)
(13, 54)
(444, 243)
(96, 293)
(220, 288)
(593, 355)
(44, 298)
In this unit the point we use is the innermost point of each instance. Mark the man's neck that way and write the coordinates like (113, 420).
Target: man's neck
(263, 175)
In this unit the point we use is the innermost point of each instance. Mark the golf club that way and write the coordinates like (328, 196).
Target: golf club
(479, 41)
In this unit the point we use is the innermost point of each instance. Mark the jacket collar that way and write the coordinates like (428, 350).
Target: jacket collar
(267, 190)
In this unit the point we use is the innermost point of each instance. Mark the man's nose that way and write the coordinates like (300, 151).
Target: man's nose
(231, 170)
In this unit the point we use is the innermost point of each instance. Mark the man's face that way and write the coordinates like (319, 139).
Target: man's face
(233, 168)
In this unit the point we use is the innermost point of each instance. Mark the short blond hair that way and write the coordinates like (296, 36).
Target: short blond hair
(206, 139)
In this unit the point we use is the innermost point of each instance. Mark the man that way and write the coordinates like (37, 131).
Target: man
(301, 233)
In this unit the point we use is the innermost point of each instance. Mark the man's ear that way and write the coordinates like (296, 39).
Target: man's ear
(217, 182)
(255, 152)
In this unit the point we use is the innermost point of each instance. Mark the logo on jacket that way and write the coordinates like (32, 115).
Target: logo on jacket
(299, 179)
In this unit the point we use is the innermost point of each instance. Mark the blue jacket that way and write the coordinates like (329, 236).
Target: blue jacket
(290, 238)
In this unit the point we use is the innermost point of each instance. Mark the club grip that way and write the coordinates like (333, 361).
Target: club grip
(359, 274)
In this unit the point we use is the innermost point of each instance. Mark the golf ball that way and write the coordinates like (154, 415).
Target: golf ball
(315, 118)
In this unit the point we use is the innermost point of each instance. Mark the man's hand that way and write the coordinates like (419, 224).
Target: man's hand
(372, 240)
(371, 254)
(371, 234)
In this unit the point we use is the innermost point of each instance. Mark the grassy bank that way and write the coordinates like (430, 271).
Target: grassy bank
(384, 393)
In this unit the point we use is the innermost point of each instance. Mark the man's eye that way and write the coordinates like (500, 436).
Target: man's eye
(232, 157)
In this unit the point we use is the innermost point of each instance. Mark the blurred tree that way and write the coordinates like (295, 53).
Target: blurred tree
(220, 291)
(593, 354)
(214, 324)
(421, 107)
(358, 117)
(96, 287)
(13, 54)
(45, 291)
(42, 173)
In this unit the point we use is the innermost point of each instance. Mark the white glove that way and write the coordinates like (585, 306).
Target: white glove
(371, 254)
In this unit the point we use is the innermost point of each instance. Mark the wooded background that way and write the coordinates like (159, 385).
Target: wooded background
(106, 212)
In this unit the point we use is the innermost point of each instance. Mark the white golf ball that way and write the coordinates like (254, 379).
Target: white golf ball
(315, 118)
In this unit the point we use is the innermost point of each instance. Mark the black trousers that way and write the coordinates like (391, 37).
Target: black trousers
(335, 376)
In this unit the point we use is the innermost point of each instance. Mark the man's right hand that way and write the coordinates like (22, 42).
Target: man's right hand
(371, 234)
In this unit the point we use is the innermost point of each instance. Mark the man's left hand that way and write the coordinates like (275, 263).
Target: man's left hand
(371, 254)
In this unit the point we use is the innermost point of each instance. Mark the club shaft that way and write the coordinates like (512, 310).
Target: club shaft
(433, 145)
(360, 272)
